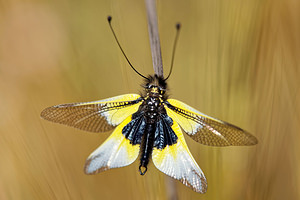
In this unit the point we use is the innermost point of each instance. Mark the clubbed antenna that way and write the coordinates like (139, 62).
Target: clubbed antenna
(109, 18)
(178, 26)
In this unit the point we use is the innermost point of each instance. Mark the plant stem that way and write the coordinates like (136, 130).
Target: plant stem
(154, 37)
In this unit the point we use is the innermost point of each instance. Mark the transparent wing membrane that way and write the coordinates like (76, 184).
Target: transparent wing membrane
(207, 130)
(96, 116)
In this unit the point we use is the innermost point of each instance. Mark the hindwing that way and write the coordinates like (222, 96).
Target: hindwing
(116, 151)
(95, 116)
(176, 161)
(205, 129)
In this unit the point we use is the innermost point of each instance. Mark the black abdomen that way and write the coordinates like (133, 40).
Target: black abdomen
(151, 108)
(146, 147)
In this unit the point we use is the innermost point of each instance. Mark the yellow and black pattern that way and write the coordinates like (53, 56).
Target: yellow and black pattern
(177, 162)
(151, 126)
(116, 151)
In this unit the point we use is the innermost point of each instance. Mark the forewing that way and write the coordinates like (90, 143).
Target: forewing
(95, 116)
(116, 151)
(205, 129)
(177, 162)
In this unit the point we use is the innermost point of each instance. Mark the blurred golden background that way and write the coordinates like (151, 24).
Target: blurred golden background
(236, 60)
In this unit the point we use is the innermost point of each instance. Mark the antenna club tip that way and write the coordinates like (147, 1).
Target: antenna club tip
(109, 18)
(178, 26)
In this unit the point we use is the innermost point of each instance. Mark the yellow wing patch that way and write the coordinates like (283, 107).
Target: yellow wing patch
(95, 116)
(115, 152)
(177, 162)
(205, 129)
(186, 121)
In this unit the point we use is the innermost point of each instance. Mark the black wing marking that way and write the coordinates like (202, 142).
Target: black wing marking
(135, 129)
(177, 162)
(164, 134)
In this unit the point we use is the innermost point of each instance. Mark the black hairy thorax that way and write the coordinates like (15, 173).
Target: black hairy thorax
(155, 89)
(150, 125)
